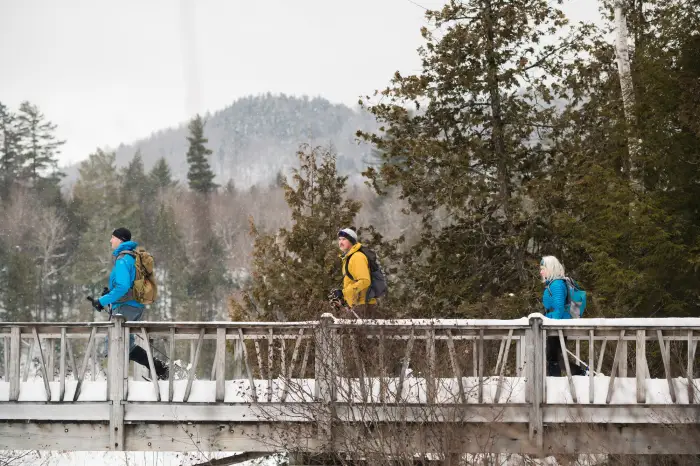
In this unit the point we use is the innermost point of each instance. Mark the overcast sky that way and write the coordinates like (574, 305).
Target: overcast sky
(111, 72)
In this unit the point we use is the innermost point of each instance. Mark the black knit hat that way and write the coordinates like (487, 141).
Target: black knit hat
(122, 233)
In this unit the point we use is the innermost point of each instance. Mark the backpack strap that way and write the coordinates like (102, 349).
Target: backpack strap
(346, 272)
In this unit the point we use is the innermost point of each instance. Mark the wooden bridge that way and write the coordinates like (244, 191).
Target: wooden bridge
(445, 387)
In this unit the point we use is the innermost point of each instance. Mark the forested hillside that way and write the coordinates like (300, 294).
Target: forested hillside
(255, 138)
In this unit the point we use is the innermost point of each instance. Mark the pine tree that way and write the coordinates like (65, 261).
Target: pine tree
(463, 139)
(200, 175)
(19, 275)
(97, 202)
(137, 198)
(622, 238)
(169, 250)
(208, 272)
(295, 269)
(161, 176)
(40, 147)
(10, 151)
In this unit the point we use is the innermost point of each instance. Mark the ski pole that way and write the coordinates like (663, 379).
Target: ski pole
(583, 363)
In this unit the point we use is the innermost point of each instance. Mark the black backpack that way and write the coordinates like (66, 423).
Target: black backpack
(377, 287)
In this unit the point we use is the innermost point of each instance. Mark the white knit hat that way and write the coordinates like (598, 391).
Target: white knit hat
(349, 234)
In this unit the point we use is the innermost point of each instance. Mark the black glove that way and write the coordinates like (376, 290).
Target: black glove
(105, 290)
(96, 303)
(337, 297)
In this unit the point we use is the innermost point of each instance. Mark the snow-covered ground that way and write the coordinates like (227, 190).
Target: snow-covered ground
(57, 458)
(88, 458)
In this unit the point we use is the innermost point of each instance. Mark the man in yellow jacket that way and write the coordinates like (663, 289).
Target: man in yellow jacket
(356, 275)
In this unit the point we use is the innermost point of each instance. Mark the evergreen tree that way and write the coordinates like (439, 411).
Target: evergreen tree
(19, 275)
(40, 147)
(97, 202)
(476, 135)
(169, 251)
(10, 151)
(208, 273)
(135, 182)
(200, 176)
(294, 269)
(137, 195)
(622, 237)
(161, 176)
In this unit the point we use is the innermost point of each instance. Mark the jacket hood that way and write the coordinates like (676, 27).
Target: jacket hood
(125, 246)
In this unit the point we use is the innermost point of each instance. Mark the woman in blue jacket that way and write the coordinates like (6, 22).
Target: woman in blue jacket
(554, 300)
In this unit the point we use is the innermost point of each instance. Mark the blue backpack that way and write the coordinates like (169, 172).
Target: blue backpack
(575, 298)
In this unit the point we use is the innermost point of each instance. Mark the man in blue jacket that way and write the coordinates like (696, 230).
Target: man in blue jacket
(119, 295)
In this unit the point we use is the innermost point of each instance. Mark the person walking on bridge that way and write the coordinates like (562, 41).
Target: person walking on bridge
(120, 296)
(554, 300)
(356, 276)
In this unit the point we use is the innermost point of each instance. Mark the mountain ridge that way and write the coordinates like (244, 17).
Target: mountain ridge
(256, 137)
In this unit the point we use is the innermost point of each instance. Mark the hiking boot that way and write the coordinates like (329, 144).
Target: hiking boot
(139, 355)
(162, 371)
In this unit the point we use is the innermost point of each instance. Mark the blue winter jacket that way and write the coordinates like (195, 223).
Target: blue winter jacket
(122, 277)
(554, 299)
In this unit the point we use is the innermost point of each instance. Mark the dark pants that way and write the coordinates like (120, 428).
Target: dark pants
(366, 352)
(555, 359)
(136, 353)
(130, 314)
(366, 311)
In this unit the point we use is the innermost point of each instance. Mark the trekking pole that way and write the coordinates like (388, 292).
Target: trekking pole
(583, 363)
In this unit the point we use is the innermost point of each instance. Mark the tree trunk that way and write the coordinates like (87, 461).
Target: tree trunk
(626, 86)
(497, 136)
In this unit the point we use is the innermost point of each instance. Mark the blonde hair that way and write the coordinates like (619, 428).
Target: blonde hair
(553, 268)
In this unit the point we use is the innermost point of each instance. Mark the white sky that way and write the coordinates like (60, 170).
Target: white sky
(114, 71)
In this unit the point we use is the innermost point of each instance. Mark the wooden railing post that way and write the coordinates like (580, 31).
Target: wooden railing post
(15, 357)
(326, 366)
(220, 364)
(641, 366)
(115, 368)
(535, 370)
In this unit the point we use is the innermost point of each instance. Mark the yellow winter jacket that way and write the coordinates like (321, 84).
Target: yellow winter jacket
(355, 290)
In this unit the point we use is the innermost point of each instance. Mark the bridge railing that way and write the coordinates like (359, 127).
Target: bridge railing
(334, 372)
(662, 353)
(379, 361)
(425, 361)
(63, 354)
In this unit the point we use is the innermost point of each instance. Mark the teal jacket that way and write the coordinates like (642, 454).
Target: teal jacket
(122, 277)
(554, 299)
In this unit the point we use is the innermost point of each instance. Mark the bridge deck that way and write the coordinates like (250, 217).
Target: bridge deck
(321, 385)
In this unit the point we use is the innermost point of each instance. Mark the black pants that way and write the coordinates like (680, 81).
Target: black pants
(555, 359)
